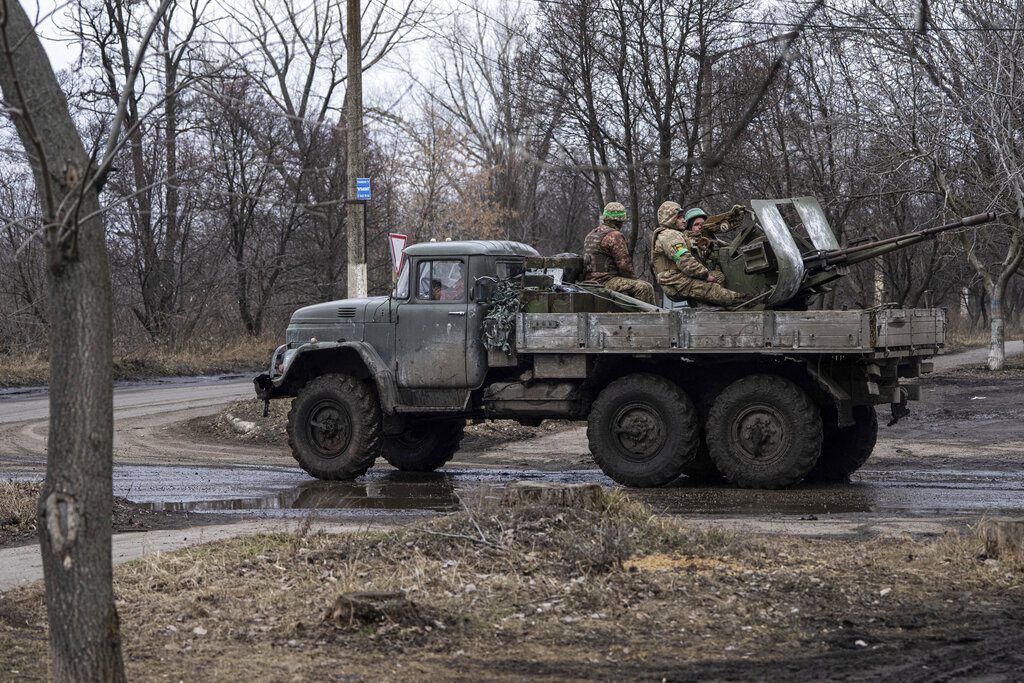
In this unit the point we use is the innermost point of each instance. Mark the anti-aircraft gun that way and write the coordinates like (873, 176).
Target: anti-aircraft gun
(782, 268)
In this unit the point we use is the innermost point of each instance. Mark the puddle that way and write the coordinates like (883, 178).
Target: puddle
(283, 491)
(425, 492)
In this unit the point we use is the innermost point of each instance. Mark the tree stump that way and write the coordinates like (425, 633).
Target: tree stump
(1004, 538)
(358, 609)
(542, 494)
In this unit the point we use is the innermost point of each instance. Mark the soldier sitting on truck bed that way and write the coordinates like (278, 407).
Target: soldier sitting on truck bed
(678, 262)
(606, 258)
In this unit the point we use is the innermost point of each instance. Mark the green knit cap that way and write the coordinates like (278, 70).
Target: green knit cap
(692, 214)
(614, 211)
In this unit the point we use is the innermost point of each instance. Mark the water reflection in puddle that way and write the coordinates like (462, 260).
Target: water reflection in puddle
(277, 491)
(431, 492)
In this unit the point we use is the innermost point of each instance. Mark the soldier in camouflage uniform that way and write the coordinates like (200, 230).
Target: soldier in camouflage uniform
(606, 258)
(680, 265)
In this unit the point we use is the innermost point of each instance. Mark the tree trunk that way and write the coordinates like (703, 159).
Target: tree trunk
(166, 267)
(75, 506)
(997, 347)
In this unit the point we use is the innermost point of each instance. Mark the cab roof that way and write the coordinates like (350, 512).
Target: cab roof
(471, 247)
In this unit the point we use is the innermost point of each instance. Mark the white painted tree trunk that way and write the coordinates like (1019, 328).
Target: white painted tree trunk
(997, 347)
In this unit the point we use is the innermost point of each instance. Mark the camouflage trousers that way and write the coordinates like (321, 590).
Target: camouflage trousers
(678, 287)
(638, 289)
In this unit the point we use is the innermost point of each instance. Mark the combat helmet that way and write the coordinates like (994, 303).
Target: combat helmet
(694, 214)
(614, 211)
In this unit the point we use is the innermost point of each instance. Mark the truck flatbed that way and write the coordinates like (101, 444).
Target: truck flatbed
(885, 333)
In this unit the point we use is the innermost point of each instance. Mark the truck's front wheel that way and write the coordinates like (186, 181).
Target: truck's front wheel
(845, 449)
(764, 432)
(334, 427)
(643, 430)
(424, 446)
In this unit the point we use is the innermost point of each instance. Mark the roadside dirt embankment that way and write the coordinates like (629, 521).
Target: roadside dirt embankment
(556, 594)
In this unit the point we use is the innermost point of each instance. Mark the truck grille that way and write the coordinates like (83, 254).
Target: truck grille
(347, 312)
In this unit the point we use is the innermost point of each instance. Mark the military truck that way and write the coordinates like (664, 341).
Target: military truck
(478, 330)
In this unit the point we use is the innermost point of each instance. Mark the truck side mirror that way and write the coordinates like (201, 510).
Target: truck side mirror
(483, 290)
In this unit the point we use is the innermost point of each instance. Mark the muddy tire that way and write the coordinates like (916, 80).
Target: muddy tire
(845, 449)
(764, 432)
(424, 446)
(334, 427)
(643, 430)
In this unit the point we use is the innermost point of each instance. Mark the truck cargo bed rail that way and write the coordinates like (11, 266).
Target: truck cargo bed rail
(882, 333)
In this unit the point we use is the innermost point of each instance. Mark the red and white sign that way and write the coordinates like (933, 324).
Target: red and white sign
(396, 245)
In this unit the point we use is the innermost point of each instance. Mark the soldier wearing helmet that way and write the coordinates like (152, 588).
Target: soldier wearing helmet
(606, 258)
(679, 261)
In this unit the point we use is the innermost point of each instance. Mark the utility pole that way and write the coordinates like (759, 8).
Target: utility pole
(354, 209)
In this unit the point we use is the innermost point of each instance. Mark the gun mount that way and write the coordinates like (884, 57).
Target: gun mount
(781, 268)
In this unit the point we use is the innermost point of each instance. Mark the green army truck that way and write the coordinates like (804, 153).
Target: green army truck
(763, 396)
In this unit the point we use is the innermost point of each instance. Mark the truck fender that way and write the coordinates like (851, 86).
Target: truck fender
(839, 397)
(356, 358)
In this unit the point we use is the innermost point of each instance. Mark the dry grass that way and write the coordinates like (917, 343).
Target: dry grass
(548, 594)
(960, 337)
(207, 357)
(17, 509)
(18, 502)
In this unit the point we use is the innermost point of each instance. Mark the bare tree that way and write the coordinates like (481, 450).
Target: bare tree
(157, 220)
(964, 127)
(295, 52)
(485, 73)
(76, 502)
(248, 197)
(23, 310)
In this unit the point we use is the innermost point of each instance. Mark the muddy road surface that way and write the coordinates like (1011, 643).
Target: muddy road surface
(958, 457)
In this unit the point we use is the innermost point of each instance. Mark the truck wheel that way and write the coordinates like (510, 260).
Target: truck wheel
(764, 432)
(643, 430)
(424, 446)
(845, 449)
(334, 427)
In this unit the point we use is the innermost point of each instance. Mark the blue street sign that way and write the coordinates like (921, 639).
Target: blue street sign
(362, 188)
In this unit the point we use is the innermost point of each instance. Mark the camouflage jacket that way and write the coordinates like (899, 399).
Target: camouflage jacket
(688, 252)
(605, 255)
(673, 249)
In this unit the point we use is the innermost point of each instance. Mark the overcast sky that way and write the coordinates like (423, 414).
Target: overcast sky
(62, 52)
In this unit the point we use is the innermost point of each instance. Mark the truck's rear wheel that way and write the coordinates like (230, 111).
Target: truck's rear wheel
(764, 432)
(424, 446)
(334, 427)
(643, 430)
(845, 449)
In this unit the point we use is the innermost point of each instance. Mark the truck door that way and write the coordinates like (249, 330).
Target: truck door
(430, 339)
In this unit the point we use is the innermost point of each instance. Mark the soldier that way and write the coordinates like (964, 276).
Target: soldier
(606, 258)
(679, 266)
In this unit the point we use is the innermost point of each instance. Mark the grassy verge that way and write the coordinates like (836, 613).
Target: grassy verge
(23, 369)
(962, 338)
(550, 594)
(17, 510)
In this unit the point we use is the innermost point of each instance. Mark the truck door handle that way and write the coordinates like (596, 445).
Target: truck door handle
(456, 313)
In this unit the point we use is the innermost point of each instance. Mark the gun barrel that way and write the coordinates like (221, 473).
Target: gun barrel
(863, 252)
